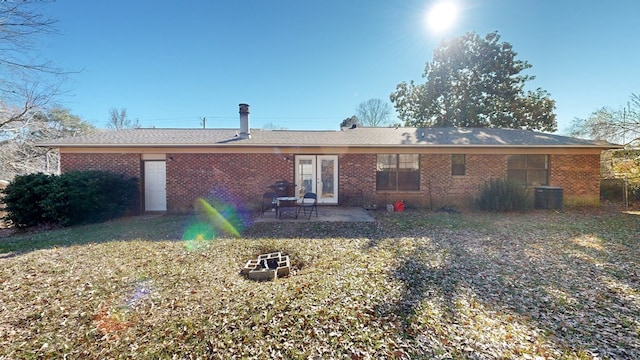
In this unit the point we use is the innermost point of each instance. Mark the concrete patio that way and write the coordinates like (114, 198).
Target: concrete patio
(325, 213)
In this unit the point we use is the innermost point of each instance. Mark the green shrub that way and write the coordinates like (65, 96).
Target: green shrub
(503, 195)
(72, 198)
(80, 197)
(23, 199)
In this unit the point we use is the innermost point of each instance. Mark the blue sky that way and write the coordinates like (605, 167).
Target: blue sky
(307, 64)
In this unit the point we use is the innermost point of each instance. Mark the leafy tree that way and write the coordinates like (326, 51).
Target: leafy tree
(374, 113)
(350, 121)
(475, 81)
(615, 125)
(118, 119)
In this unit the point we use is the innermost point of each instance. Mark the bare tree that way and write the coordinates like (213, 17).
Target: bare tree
(18, 29)
(20, 155)
(374, 113)
(615, 125)
(273, 126)
(27, 83)
(118, 120)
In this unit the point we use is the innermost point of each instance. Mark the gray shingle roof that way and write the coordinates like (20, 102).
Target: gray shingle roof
(358, 137)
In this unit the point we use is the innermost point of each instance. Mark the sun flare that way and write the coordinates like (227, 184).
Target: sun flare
(442, 15)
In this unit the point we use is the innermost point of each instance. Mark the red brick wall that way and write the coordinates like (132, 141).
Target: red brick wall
(357, 179)
(579, 176)
(242, 178)
(439, 188)
(445, 189)
(236, 178)
(126, 164)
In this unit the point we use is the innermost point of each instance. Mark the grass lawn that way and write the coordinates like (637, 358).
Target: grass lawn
(411, 285)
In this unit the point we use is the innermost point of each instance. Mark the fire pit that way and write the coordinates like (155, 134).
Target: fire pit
(267, 267)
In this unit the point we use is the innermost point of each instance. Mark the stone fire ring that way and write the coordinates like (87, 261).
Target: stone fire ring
(267, 267)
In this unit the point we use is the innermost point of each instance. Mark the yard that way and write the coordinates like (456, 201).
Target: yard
(542, 284)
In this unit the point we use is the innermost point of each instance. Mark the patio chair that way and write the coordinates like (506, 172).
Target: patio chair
(309, 201)
(268, 203)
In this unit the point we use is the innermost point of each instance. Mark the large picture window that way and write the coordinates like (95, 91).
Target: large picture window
(398, 172)
(532, 170)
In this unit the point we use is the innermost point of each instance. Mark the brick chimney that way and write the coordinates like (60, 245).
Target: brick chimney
(245, 132)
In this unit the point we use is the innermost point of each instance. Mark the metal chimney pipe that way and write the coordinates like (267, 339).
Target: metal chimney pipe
(245, 132)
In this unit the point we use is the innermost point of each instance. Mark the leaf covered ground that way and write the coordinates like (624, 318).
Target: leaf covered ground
(539, 285)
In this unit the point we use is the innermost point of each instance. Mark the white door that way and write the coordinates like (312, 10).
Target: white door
(318, 174)
(155, 186)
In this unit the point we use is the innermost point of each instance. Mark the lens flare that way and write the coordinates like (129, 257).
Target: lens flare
(212, 220)
(141, 292)
(197, 234)
(216, 219)
(111, 319)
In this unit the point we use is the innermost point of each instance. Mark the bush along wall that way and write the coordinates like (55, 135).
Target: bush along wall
(76, 197)
(503, 195)
(24, 198)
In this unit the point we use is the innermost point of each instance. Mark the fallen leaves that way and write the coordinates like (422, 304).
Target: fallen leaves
(412, 285)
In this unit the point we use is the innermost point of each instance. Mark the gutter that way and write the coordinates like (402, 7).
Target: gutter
(420, 146)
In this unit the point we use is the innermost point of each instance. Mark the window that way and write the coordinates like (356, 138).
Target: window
(532, 170)
(398, 172)
(458, 164)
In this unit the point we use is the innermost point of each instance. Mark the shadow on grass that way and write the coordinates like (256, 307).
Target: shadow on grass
(151, 228)
(175, 227)
(569, 279)
(312, 230)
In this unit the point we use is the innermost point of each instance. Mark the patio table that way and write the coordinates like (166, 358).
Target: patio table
(287, 205)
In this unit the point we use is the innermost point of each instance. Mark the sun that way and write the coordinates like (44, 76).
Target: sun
(442, 15)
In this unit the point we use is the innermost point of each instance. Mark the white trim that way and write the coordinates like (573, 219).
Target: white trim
(155, 185)
(314, 180)
(154, 156)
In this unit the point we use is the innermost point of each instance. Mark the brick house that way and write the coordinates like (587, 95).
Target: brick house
(426, 167)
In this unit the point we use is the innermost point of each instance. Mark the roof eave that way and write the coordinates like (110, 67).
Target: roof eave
(498, 146)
